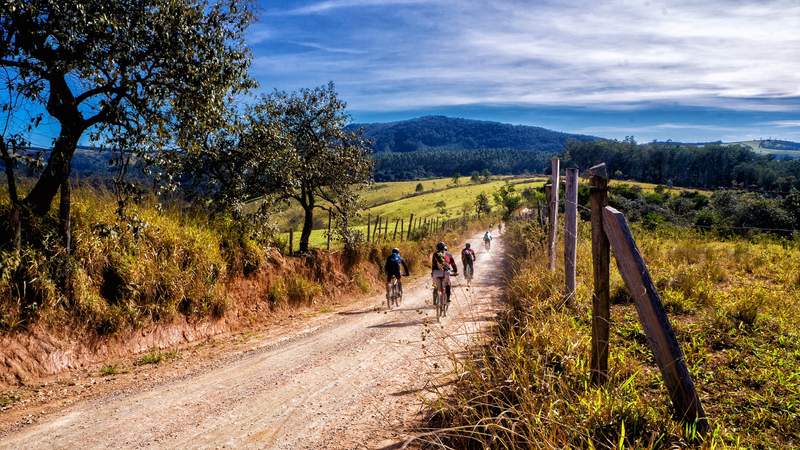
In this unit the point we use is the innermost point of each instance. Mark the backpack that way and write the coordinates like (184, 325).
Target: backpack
(440, 261)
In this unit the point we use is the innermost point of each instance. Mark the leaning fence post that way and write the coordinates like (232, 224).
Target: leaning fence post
(394, 233)
(601, 314)
(291, 241)
(410, 226)
(570, 233)
(402, 229)
(654, 320)
(555, 184)
(386, 229)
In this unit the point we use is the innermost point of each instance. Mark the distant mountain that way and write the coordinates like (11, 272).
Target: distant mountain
(448, 133)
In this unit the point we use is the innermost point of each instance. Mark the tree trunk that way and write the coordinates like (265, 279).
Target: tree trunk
(14, 219)
(64, 207)
(55, 173)
(308, 224)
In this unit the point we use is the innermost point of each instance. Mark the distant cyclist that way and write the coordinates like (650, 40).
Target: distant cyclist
(500, 227)
(392, 268)
(487, 239)
(442, 263)
(467, 260)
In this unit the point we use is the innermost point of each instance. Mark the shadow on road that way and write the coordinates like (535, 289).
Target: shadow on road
(409, 323)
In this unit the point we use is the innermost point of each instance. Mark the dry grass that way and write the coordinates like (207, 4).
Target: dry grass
(734, 305)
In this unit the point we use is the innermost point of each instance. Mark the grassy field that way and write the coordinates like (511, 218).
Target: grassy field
(756, 147)
(734, 304)
(456, 198)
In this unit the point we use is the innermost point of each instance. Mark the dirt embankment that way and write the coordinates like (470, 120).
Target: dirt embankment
(278, 289)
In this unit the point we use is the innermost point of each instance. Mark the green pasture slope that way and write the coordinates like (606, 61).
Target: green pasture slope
(398, 200)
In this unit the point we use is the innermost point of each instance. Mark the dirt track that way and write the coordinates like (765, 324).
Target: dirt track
(354, 380)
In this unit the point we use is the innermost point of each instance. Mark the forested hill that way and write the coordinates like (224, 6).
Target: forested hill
(448, 133)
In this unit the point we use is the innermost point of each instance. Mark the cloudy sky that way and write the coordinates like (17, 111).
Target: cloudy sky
(688, 71)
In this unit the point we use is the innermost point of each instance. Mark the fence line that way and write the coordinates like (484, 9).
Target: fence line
(610, 229)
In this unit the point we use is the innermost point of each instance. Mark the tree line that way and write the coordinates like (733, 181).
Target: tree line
(391, 166)
(709, 166)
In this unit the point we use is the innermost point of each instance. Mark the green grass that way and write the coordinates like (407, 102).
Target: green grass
(8, 399)
(756, 147)
(156, 357)
(734, 305)
(421, 205)
(111, 369)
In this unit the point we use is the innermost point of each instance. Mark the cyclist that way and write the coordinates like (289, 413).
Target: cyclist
(442, 263)
(487, 239)
(500, 227)
(392, 268)
(467, 258)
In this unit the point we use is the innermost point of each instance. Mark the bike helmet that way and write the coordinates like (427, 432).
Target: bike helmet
(395, 251)
(440, 247)
(467, 245)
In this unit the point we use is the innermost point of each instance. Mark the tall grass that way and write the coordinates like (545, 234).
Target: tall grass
(160, 263)
(733, 303)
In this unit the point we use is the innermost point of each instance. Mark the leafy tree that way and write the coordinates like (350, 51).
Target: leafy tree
(482, 205)
(419, 187)
(442, 207)
(233, 170)
(132, 75)
(475, 177)
(486, 175)
(507, 198)
(456, 177)
(322, 162)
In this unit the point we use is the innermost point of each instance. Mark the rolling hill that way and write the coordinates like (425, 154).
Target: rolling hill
(448, 133)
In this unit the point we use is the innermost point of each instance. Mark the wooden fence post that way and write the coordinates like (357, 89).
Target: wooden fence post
(328, 245)
(402, 229)
(386, 230)
(410, 226)
(394, 233)
(601, 314)
(291, 241)
(369, 222)
(654, 320)
(555, 184)
(376, 232)
(570, 233)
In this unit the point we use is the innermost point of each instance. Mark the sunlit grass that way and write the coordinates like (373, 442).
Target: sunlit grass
(734, 304)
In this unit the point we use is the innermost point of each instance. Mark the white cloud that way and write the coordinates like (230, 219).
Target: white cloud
(614, 53)
(785, 123)
(325, 6)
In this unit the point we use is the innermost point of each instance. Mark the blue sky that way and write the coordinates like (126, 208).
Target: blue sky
(689, 71)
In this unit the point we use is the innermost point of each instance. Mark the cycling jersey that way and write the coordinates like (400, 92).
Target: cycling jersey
(393, 265)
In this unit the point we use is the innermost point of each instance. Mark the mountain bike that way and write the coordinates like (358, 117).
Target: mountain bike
(395, 293)
(440, 299)
(468, 272)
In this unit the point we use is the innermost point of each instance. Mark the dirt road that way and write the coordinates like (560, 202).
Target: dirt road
(354, 380)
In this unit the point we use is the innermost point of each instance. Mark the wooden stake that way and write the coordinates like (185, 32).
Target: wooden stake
(402, 229)
(570, 233)
(410, 226)
(556, 180)
(369, 222)
(328, 245)
(394, 234)
(291, 241)
(601, 314)
(654, 320)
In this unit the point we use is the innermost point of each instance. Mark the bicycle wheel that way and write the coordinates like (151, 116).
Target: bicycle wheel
(437, 303)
